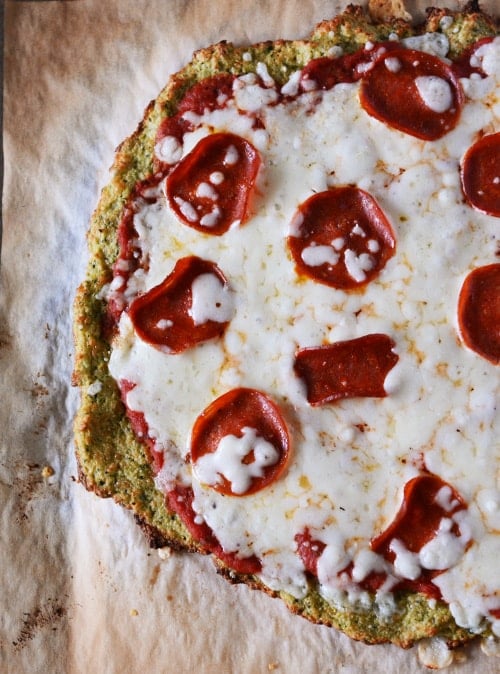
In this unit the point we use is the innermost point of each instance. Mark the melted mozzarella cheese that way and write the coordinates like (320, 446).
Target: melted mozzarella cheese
(315, 255)
(435, 92)
(211, 301)
(349, 460)
(435, 654)
(169, 150)
(227, 460)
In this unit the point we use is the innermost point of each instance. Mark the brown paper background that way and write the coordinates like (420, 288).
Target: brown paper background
(80, 590)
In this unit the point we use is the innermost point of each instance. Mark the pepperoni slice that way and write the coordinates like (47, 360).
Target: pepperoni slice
(480, 173)
(479, 312)
(325, 72)
(240, 443)
(427, 500)
(341, 238)
(413, 92)
(210, 188)
(350, 369)
(193, 304)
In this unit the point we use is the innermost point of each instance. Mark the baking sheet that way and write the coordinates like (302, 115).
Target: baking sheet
(80, 589)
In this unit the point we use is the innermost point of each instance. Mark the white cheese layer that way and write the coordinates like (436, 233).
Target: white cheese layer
(350, 460)
(210, 300)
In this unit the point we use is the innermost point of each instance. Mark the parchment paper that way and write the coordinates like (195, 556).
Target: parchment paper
(80, 590)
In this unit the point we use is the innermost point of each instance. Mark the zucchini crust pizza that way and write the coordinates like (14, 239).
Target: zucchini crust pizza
(287, 340)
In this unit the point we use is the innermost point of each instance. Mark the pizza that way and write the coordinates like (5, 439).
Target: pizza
(288, 336)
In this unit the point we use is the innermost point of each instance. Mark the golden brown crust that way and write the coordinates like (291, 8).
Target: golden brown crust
(382, 10)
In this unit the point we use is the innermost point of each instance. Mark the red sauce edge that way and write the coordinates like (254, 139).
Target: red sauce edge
(180, 501)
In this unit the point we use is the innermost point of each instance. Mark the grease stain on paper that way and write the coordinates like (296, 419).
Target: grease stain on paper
(5, 341)
(47, 616)
(27, 484)
(154, 575)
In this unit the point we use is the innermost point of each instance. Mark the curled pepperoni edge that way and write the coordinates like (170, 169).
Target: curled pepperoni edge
(229, 414)
(479, 312)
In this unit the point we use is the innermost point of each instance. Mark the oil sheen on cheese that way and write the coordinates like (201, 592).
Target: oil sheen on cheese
(349, 460)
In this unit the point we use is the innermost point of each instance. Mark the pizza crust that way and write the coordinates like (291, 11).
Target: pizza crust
(381, 10)
(112, 462)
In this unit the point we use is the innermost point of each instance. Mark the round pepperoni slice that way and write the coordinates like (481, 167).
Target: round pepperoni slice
(193, 304)
(413, 92)
(479, 312)
(341, 238)
(239, 443)
(480, 173)
(210, 188)
(427, 502)
(354, 368)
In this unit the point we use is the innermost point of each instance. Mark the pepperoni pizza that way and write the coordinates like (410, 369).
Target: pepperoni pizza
(289, 335)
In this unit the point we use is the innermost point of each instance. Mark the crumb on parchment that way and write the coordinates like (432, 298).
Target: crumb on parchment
(47, 471)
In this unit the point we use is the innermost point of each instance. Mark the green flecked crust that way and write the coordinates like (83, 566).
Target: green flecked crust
(112, 462)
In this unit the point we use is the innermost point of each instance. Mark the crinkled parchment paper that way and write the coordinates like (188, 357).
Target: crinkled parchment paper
(80, 590)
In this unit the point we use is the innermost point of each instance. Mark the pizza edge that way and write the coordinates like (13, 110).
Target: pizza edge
(111, 462)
